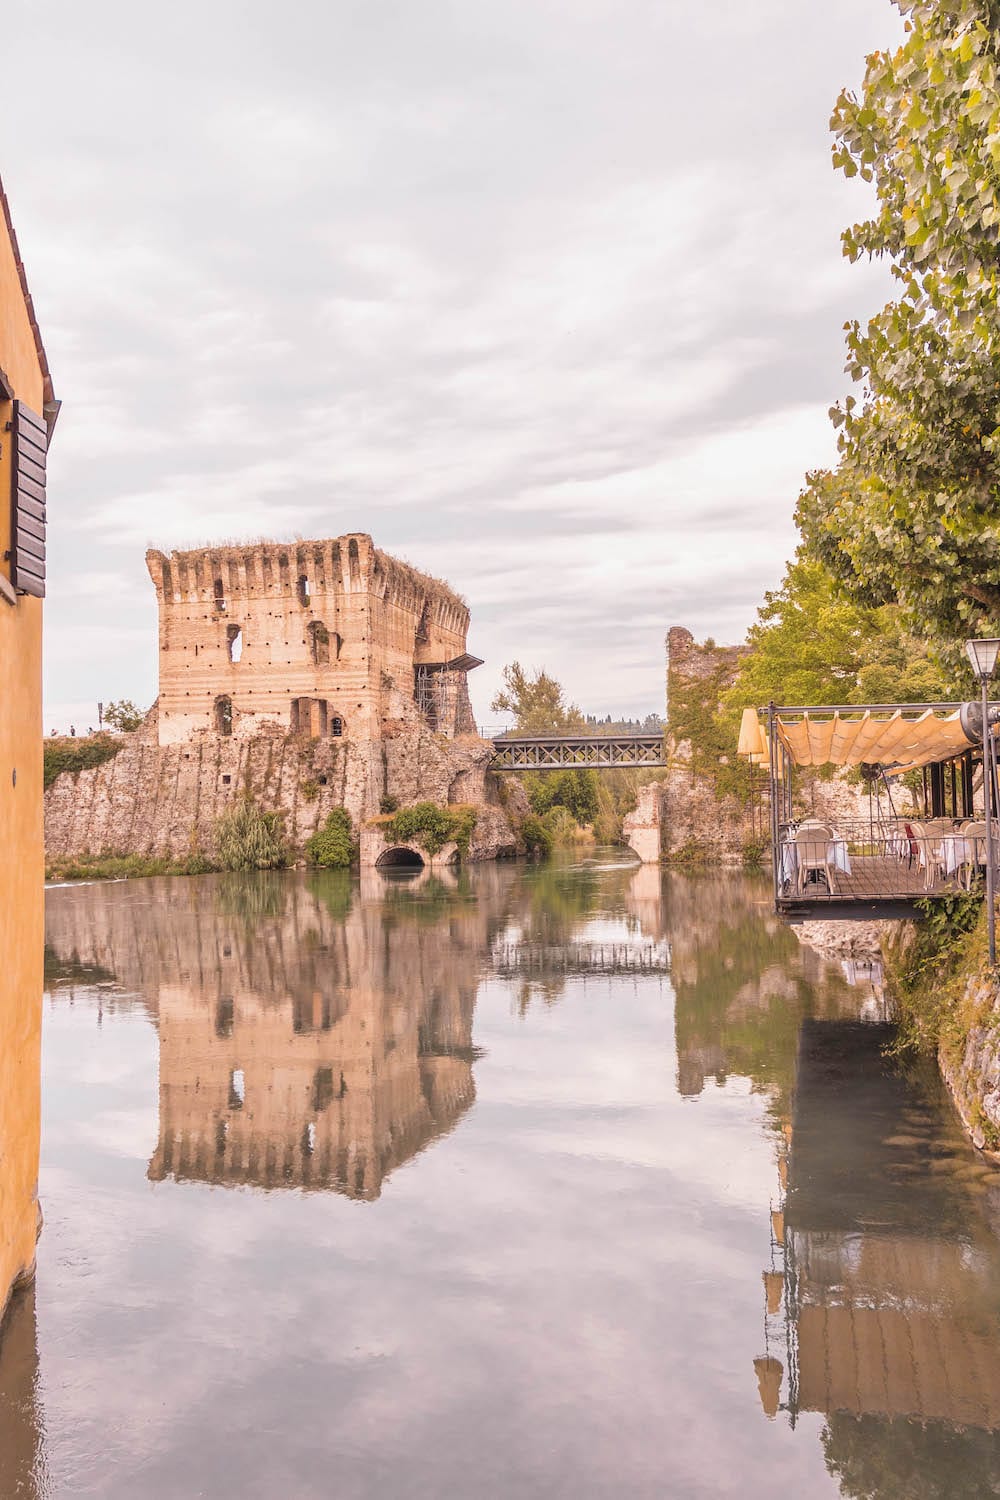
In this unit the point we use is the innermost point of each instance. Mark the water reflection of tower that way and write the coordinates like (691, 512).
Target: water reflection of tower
(355, 1053)
(307, 1038)
(742, 984)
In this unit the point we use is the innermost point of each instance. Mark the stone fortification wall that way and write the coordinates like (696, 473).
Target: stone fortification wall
(166, 799)
(682, 814)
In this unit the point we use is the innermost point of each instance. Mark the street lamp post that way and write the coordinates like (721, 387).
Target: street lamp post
(983, 658)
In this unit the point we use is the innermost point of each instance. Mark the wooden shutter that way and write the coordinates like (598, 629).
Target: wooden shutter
(27, 546)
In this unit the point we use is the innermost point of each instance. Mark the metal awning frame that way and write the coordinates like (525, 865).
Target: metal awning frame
(960, 758)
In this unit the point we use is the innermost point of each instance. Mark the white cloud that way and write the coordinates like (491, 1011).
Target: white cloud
(549, 299)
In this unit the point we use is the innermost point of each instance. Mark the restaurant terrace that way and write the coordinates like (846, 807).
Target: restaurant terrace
(920, 825)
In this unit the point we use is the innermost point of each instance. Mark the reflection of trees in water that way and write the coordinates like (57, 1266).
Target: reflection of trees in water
(250, 896)
(743, 984)
(877, 1458)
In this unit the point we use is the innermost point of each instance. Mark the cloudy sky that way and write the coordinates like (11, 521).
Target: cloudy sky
(547, 295)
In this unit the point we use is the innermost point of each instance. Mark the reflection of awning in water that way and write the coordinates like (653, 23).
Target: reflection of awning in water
(895, 1263)
(898, 1362)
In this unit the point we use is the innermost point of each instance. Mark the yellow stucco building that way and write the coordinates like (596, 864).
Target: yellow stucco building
(28, 411)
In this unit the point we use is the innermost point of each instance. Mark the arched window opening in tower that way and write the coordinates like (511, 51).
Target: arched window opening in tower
(234, 642)
(219, 594)
(224, 715)
(302, 589)
(319, 643)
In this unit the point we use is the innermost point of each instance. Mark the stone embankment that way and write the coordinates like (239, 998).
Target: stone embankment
(971, 1068)
(951, 1002)
(165, 800)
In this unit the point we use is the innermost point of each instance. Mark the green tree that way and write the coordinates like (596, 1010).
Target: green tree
(537, 702)
(811, 645)
(123, 715)
(911, 513)
(333, 847)
(576, 790)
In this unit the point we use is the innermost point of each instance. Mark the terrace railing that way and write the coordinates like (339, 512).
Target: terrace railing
(903, 858)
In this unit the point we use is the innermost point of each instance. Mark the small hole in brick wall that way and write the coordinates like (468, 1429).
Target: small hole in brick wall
(320, 779)
(226, 780)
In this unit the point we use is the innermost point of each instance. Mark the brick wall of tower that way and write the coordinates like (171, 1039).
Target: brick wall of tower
(379, 617)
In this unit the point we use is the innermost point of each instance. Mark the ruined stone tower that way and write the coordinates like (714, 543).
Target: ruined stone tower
(316, 638)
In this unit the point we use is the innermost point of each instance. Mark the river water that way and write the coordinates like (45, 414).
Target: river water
(582, 1181)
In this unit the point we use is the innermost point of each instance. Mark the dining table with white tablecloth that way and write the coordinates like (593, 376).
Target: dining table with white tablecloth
(956, 850)
(788, 863)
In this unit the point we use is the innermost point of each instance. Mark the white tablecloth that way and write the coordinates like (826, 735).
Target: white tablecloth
(788, 864)
(956, 851)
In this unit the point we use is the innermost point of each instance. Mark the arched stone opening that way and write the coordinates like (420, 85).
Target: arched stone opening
(224, 715)
(309, 716)
(399, 859)
(336, 726)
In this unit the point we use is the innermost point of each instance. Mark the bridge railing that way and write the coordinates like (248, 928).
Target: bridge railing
(515, 752)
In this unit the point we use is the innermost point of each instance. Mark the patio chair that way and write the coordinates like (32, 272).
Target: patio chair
(894, 838)
(813, 852)
(925, 849)
(915, 839)
(974, 834)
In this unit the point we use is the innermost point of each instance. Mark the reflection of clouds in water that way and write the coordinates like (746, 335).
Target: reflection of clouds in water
(560, 1295)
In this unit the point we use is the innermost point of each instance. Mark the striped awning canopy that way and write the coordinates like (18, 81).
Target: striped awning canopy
(903, 738)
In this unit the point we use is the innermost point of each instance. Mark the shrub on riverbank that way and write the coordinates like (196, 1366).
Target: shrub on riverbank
(333, 847)
(65, 753)
(247, 838)
(125, 867)
(929, 964)
(949, 1003)
(562, 827)
(537, 838)
(431, 826)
